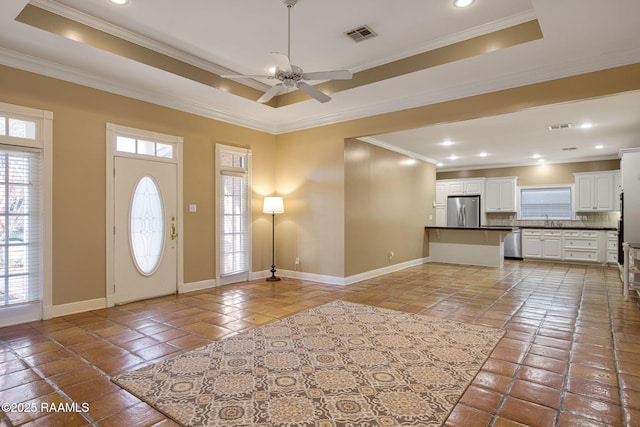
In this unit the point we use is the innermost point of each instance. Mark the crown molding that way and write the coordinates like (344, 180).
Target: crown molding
(375, 141)
(138, 39)
(450, 39)
(54, 70)
(479, 87)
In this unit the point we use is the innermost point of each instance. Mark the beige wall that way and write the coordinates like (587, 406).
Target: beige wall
(306, 167)
(80, 115)
(387, 204)
(558, 173)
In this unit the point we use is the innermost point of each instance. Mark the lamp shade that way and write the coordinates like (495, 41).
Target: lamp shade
(273, 205)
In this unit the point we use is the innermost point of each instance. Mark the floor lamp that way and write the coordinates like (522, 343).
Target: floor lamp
(273, 205)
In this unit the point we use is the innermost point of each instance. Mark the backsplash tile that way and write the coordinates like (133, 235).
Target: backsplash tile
(590, 219)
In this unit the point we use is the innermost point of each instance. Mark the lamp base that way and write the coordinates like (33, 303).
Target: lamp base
(273, 277)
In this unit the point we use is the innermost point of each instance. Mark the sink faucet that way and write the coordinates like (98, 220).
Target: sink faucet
(546, 220)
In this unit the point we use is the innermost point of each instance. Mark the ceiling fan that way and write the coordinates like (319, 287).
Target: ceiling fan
(291, 76)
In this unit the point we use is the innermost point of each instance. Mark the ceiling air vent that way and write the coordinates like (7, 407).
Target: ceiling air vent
(361, 33)
(560, 127)
(569, 148)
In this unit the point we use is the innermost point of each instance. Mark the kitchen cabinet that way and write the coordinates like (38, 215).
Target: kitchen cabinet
(469, 186)
(541, 243)
(500, 194)
(595, 191)
(581, 245)
(612, 247)
(441, 194)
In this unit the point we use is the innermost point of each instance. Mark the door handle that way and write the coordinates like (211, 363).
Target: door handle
(172, 229)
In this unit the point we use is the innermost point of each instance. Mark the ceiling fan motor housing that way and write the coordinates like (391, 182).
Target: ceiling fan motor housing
(289, 3)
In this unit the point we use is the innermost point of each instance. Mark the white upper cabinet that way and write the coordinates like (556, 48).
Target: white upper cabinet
(441, 194)
(595, 191)
(468, 186)
(500, 194)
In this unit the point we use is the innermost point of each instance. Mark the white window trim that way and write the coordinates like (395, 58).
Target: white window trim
(44, 141)
(527, 187)
(114, 130)
(218, 209)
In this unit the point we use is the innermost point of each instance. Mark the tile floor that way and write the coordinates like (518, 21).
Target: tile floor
(570, 356)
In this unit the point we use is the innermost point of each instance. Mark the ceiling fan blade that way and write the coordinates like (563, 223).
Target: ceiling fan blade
(245, 76)
(282, 61)
(275, 90)
(328, 75)
(313, 92)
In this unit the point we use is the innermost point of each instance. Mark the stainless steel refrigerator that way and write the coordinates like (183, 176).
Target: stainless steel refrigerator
(463, 211)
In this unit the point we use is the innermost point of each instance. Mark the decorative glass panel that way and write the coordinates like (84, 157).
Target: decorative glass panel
(147, 226)
(126, 145)
(3, 126)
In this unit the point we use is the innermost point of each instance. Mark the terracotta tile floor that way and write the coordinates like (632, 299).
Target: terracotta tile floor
(570, 356)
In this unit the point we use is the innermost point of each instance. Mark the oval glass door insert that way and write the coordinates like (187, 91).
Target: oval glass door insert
(146, 227)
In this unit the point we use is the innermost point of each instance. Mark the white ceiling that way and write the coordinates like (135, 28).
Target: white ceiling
(578, 36)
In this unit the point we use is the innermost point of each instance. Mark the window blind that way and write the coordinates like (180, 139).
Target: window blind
(545, 203)
(234, 224)
(20, 226)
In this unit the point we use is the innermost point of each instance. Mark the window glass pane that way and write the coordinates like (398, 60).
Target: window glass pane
(22, 129)
(226, 159)
(238, 161)
(125, 145)
(146, 147)
(147, 225)
(3, 126)
(545, 203)
(164, 150)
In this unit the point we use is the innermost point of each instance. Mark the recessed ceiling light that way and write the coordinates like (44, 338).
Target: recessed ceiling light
(446, 143)
(462, 3)
(599, 147)
(483, 154)
(586, 125)
(440, 164)
(541, 160)
(453, 157)
(119, 1)
(536, 156)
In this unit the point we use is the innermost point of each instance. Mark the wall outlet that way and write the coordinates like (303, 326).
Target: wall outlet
(297, 261)
(390, 255)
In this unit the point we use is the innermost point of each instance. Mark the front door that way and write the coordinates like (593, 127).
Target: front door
(145, 232)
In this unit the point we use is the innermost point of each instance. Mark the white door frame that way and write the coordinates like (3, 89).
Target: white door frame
(112, 131)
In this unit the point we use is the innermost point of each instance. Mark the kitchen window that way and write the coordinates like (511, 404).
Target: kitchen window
(552, 202)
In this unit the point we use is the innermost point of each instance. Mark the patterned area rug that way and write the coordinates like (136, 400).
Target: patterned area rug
(340, 364)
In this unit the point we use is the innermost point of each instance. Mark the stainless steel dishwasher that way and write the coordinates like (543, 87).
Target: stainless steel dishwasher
(513, 244)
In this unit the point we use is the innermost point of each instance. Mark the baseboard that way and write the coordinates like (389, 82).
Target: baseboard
(99, 303)
(73, 307)
(384, 270)
(197, 286)
(334, 280)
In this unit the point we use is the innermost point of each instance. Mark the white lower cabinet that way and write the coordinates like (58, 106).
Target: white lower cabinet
(582, 245)
(570, 245)
(541, 243)
(612, 247)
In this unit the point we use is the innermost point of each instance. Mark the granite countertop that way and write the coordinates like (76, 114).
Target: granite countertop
(482, 227)
(571, 227)
(516, 227)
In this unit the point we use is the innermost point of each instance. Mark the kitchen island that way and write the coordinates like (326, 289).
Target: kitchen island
(468, 245)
